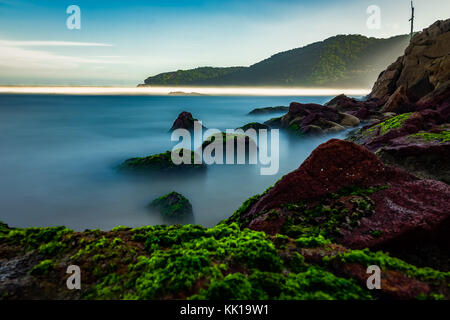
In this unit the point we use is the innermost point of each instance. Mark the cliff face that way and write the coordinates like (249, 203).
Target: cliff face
(424, 69)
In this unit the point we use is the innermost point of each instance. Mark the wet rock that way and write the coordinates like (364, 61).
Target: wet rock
(308, 118)
(173, 206)
(254, 125)
(269, 110)
(185, 120)
(398, 102)
(162, 163)
(345, 192)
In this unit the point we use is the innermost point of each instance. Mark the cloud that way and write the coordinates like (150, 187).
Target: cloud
(15, 43)
(17, 55)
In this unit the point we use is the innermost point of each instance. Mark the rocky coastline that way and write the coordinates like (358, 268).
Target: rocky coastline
(381, 197)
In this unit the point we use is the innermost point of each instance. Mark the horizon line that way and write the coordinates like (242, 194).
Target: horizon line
(182, 91)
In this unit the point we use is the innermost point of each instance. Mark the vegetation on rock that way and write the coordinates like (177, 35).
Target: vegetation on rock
(172, 205)
(161, 162)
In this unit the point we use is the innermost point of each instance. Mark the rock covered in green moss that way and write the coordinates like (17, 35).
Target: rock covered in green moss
(344, 193)
(192, 262)
(173, 205)
(163, 163)
(254, 125)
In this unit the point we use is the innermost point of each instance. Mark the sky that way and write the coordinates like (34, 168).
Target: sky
(124, 42)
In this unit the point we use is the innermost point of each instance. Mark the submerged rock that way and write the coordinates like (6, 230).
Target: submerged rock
(269, 110)
(254, 125)
(185, 120)
(162, 163)
(173, 206)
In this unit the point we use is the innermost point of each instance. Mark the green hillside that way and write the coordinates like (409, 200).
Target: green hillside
(344, 60)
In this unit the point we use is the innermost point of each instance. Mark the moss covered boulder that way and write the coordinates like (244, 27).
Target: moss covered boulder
(224, 262)
(345, 193)
(162, 163)
(254, 125)
(172, 206)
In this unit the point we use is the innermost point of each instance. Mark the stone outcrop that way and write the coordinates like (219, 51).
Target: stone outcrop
(344, 192)
(423, 69)
(314, 119)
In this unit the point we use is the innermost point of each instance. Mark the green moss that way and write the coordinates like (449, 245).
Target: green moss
(43, 267)
(443, 136)
(172, 205)
(388, 125)
(330, 216)
(182, 256)
(162, 161)
(32, 238)
(384, 261)
(120, 228)
(312, 242)
(91, 248)
(52, 248)
(376, 233)
(313, 284)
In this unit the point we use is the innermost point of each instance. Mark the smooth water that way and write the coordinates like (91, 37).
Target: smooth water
(59, 153)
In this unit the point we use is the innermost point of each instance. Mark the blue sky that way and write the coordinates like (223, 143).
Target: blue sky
(123, 42)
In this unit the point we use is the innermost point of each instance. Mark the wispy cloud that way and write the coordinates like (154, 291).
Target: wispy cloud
(17, 55)
(15, 43)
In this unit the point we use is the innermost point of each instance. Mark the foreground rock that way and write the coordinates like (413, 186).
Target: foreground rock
(345, 193)
(313, 119)
(173, 206)
(162, 163)
(180, 262)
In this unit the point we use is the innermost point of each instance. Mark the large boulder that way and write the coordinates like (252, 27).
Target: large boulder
(345, 193)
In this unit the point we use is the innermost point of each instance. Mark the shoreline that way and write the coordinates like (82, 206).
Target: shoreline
(181, 91)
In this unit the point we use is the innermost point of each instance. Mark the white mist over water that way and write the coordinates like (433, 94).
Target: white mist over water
(58, 155)
(155, 90)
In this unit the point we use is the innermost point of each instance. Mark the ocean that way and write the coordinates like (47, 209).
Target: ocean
(59, 155)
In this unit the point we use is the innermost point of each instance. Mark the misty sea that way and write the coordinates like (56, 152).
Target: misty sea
(59, 153)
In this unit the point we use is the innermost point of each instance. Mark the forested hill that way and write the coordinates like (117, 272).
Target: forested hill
(343, 60)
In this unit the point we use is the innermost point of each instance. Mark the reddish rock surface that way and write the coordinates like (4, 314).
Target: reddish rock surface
(330, 167)
(409, 206)
(315, 119)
